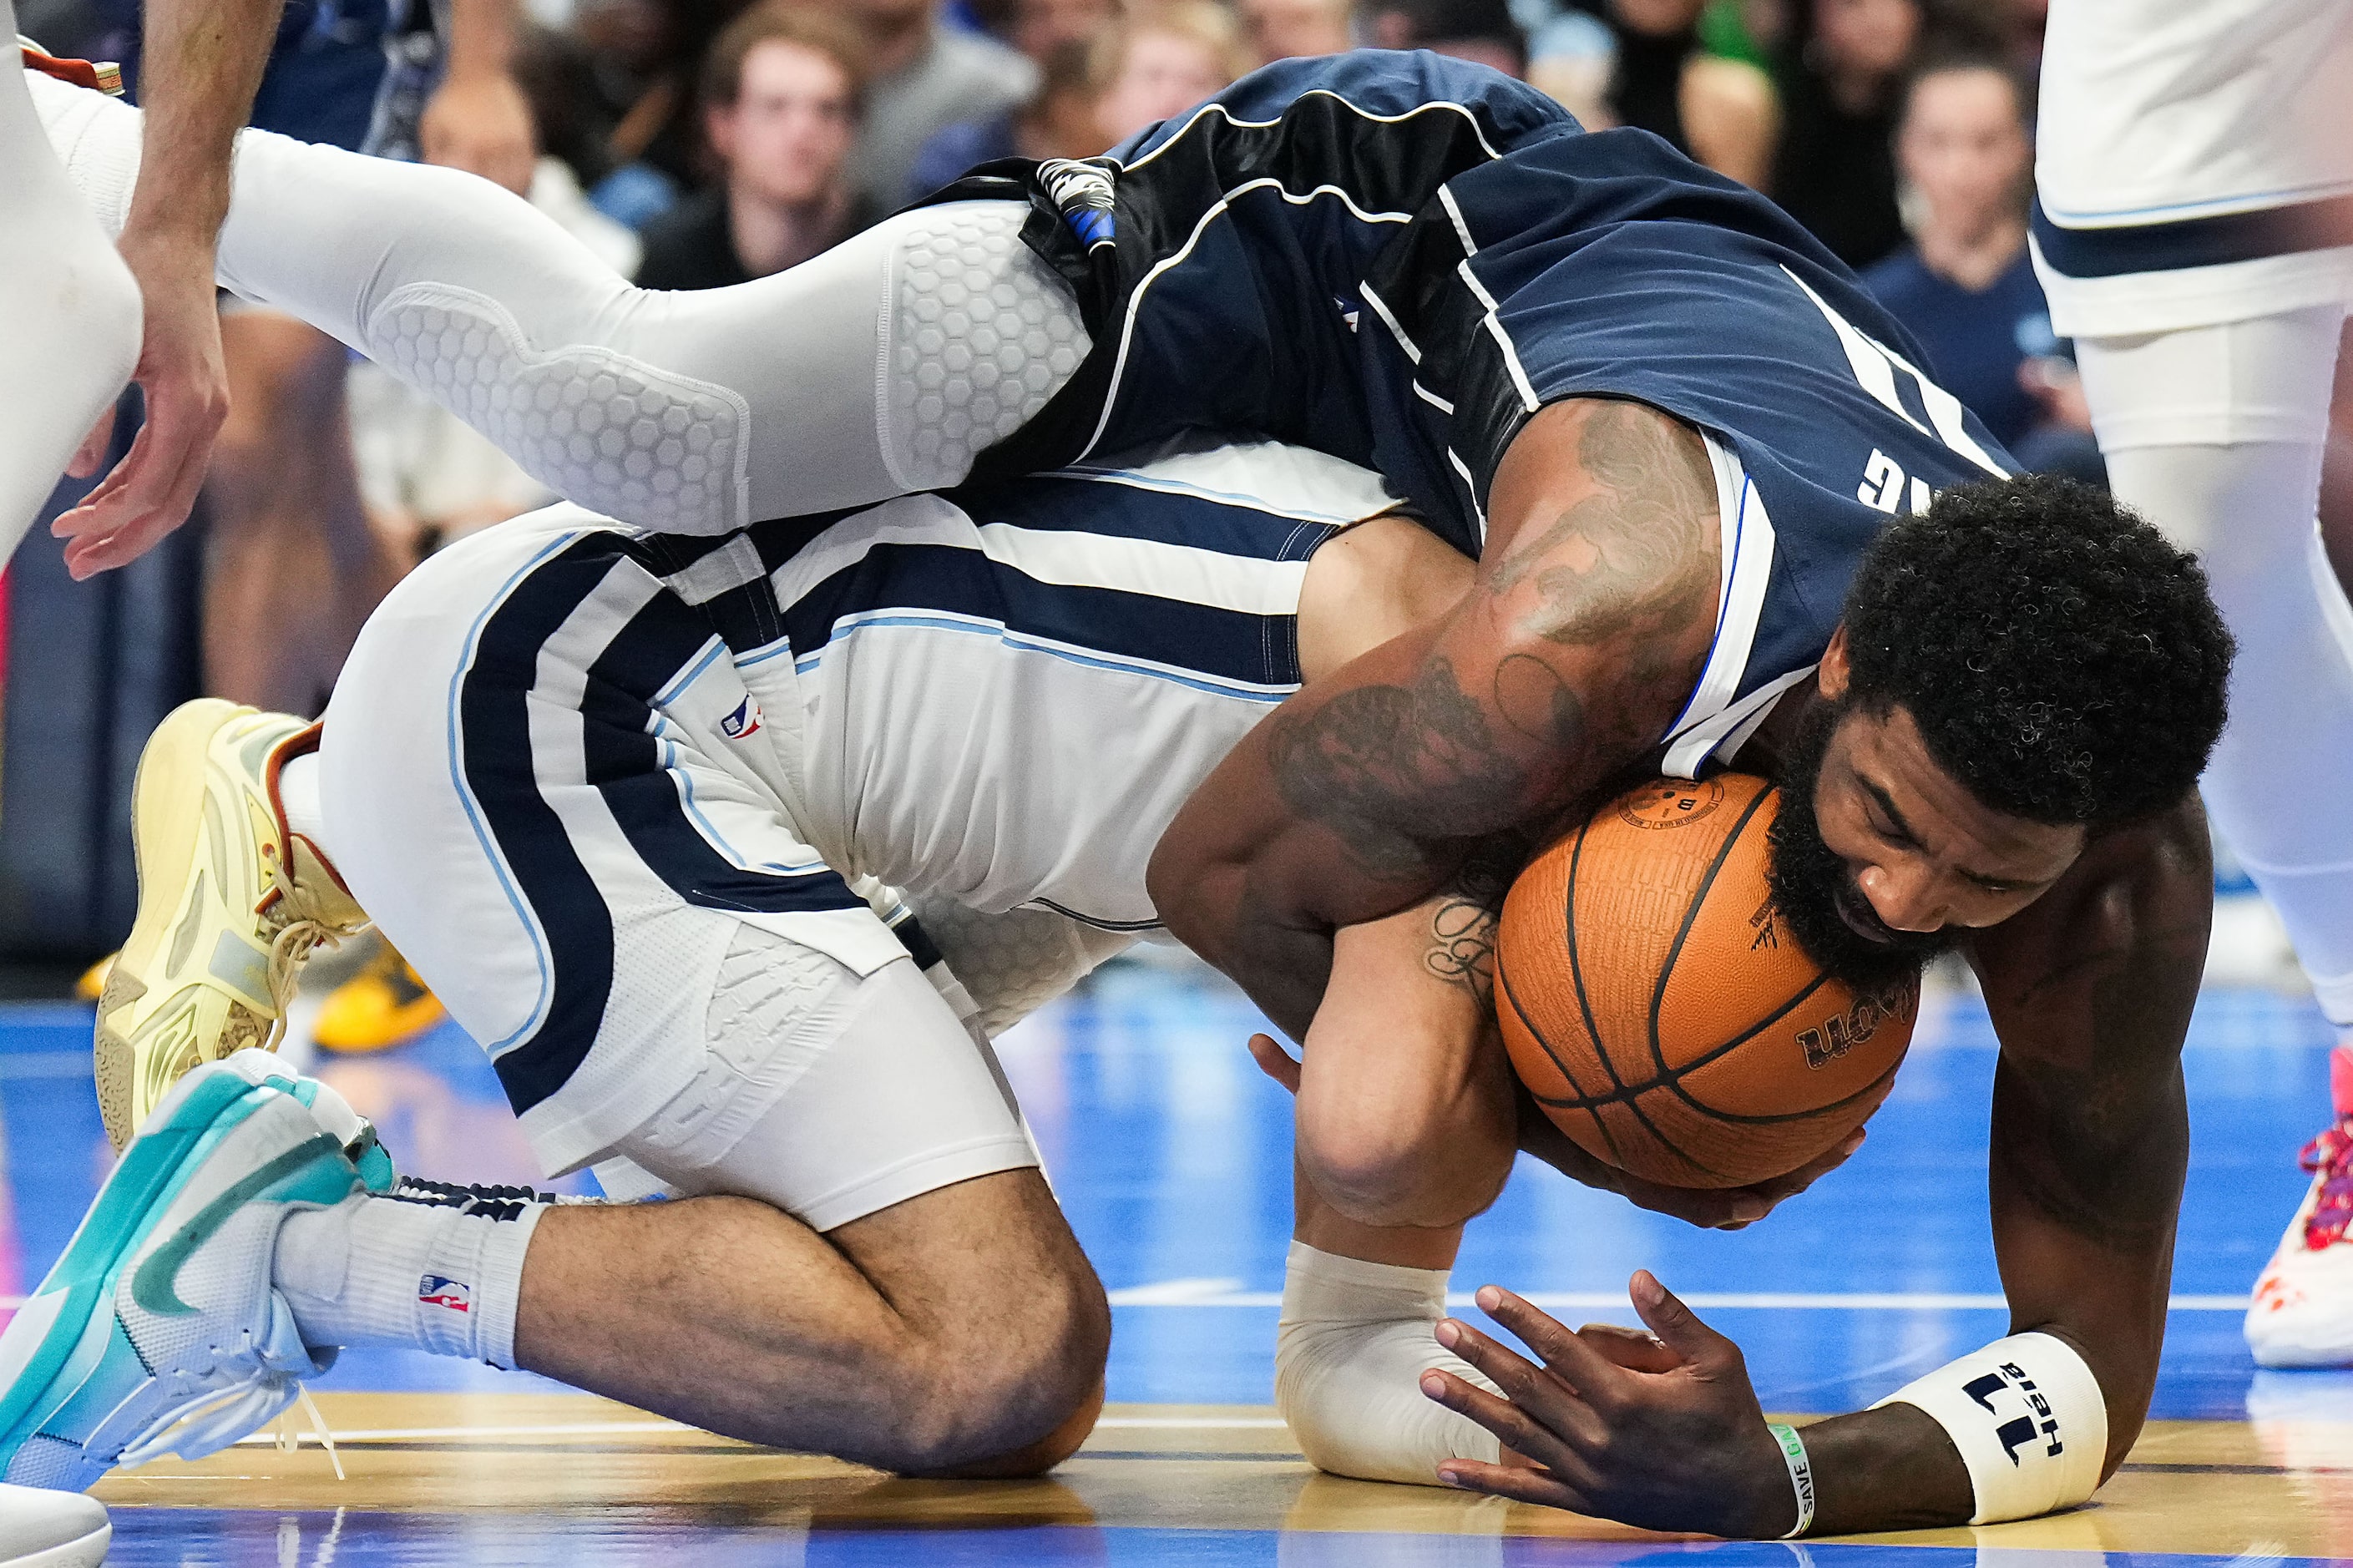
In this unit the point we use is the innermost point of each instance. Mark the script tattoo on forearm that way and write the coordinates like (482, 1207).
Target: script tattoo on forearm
(1587, 669)
(1463, 926)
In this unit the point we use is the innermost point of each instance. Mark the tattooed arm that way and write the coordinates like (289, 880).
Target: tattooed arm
(2090, 989)
(1581, 636)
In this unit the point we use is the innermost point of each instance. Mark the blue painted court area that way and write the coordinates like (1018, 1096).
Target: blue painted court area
(1172, 1154)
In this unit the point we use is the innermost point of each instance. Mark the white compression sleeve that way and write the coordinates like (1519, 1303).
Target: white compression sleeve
(1353, 1342)
(877, 368)
(73, 310)
(2214, 434)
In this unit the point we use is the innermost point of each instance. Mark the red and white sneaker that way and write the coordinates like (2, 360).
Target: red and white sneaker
(2303, 1311)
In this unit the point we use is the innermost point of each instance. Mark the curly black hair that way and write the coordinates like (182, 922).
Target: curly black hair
(2062, 660)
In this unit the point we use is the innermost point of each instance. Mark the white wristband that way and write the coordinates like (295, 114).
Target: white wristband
(2028, 1419)
(1801, 1475)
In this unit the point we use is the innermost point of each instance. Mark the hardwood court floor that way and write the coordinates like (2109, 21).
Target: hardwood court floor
(1172, 1156)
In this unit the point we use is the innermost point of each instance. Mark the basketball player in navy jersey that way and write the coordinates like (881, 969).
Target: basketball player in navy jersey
(1667, 428)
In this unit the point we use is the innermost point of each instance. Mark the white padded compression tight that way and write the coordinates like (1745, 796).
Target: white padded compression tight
(72, 311)
(2214, 433)
(878, 368)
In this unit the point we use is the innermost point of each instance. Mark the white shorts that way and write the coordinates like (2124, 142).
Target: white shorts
(549, 782)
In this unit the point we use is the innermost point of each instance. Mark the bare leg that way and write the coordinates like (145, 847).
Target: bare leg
(294, 567)
(936, 1335)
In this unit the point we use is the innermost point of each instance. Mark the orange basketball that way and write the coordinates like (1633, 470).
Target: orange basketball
(1655, 1007)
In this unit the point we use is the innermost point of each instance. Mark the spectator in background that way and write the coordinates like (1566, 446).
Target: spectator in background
(1965, 288)
(1482, 31)
(1835, 170)
(923, 77)
(1285, 29)
(1161, 60)
(1059, 121)
(1722, 111)
(1040, 28)
(780, 105)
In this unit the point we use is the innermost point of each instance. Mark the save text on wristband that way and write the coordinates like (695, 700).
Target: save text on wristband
(1801, 1475)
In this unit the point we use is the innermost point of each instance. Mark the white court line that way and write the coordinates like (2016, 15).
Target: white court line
(1197, 1293)
(430, 1434)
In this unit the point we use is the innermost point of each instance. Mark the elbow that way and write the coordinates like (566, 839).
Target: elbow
(1411, 1176)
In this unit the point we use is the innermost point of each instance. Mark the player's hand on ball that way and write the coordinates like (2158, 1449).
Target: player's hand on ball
(1711, 1208)
(1664, 1433)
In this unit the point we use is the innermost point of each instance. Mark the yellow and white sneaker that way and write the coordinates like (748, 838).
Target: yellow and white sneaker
(230, 904)
(386, 1004)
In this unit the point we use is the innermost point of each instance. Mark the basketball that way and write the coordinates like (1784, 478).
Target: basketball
(1655, 1007)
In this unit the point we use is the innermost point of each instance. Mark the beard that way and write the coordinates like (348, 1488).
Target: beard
(1810, 883)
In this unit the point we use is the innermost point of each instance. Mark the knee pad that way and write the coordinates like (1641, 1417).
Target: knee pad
(614, 435)
(980, 333)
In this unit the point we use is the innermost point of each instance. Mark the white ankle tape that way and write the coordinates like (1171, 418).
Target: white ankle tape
(2028, 1419)
(981, 333)
(661, 451)
(1354, 1342)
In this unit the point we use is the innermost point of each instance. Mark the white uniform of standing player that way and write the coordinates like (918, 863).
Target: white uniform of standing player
(2194, 233)
(73, 310)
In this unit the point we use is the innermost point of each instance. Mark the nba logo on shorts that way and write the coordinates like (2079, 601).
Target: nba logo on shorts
(744, 720)
(434, 1290)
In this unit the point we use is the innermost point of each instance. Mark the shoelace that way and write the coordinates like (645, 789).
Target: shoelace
(296, 941)
(213, 1422)
(2332, 1214)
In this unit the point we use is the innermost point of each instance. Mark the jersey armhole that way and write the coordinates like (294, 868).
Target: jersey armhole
(1746, 544)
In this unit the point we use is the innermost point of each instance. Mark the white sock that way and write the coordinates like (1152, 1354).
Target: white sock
(297, 796)
(440, 1273)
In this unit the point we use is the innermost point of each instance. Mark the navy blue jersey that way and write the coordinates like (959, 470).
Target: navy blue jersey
(1397, 258)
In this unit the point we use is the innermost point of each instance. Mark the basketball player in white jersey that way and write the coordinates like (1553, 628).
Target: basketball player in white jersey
(84, 318)
(2194, 233)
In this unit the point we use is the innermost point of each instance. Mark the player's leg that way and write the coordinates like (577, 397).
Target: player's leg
(72, 332)
(2216, 435)
(878, 368)
(523, 778)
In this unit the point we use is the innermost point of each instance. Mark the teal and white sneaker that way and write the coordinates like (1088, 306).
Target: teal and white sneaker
(159, 1331)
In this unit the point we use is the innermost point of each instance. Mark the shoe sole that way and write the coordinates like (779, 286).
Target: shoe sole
(82, 1328)
(168, 837)
(87, 1553)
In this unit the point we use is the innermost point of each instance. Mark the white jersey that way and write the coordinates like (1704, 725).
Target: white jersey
(2193, 162)
(1006, 695)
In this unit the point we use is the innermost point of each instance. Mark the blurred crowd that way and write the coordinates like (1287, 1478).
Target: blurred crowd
(696, 143)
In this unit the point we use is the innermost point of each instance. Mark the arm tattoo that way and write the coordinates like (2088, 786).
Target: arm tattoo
(1588, 668)
(1620, 564)
(1462, 928)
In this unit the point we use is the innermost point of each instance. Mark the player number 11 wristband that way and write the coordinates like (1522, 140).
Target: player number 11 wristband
(1801, 1475)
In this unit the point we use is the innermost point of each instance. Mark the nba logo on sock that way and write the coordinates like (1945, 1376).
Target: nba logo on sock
(434, 1290)
(744, 720)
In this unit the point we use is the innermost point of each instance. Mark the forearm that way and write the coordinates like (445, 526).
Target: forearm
(203, 63)
(483, 36)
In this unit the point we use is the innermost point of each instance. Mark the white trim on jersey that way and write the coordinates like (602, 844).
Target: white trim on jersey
(1874, 365)
(1745, 550)
(1264, 475)
(1434, 106)
(1161, 267)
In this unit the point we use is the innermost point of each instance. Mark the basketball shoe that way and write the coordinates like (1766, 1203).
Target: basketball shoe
(230, 904)
(42, 1529)
(159, 1331)
(2303, 1311)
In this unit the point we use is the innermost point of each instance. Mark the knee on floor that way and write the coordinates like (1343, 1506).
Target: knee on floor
(1007, 1389)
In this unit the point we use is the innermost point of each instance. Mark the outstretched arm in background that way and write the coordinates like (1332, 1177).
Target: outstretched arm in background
(204, 61)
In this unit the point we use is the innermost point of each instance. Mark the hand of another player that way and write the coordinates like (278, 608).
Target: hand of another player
(151, 491)
(1661, 1432)
(481, 123)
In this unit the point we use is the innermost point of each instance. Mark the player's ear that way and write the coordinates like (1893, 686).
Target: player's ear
(1831, 675)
